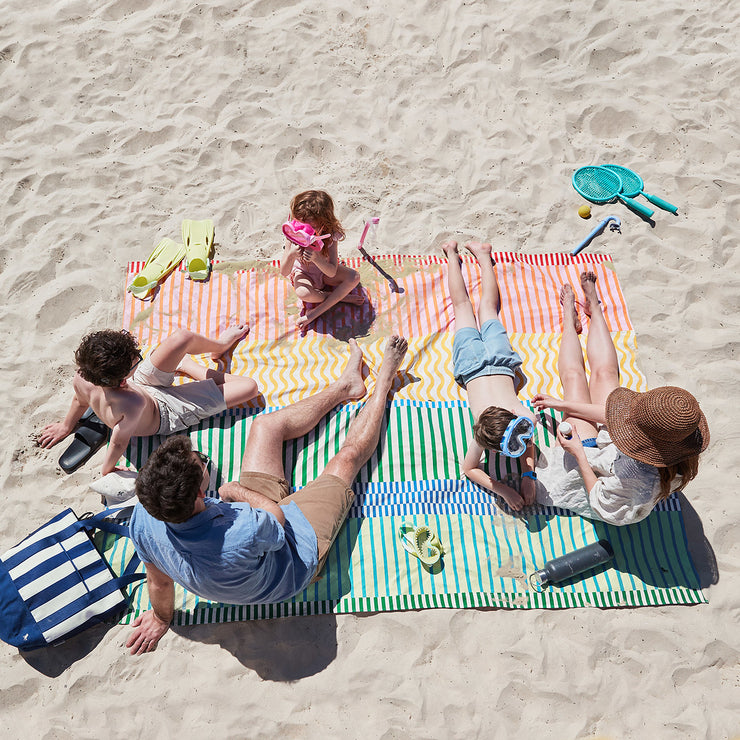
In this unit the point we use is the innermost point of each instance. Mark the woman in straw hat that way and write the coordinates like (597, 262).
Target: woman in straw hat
(627, 450)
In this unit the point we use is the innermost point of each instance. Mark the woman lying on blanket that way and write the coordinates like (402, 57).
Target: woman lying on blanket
(490, 370)
(628, 450)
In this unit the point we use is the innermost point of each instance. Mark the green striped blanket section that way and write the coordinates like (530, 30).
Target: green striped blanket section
(414, 478)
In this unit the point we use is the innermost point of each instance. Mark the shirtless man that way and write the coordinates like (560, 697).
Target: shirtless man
(134, 396)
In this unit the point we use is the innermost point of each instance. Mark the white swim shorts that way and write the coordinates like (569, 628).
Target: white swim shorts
(180, 406)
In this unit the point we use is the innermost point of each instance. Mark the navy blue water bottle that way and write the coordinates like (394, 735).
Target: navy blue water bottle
(573, 563)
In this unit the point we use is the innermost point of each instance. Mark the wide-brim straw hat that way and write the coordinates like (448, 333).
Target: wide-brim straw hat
(660, 427)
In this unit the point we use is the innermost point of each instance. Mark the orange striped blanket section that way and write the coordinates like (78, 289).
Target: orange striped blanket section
(289, 365)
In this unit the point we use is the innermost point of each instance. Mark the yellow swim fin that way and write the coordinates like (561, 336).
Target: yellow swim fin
(197, 236)
(165, 257)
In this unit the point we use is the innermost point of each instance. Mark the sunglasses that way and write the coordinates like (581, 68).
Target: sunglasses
(138, 362)
(202, 457)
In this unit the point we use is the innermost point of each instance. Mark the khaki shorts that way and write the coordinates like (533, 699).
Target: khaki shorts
(324, 502)
(180, 406)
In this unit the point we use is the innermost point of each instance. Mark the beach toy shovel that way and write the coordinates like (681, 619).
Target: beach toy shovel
(370, 226)
(614, 227)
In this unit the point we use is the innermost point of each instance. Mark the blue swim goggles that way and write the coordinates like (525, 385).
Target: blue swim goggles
(517, 434)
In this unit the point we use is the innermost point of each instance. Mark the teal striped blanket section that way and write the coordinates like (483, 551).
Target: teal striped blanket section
(414, 478)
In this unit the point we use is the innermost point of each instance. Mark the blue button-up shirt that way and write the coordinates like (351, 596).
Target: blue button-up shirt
(231, 552)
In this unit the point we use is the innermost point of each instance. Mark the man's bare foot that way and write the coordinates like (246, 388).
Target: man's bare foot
(229, 338)
(568, 302)
(480, 250)
(351, 377)
(588, 283)
(395, 350)
(450, 249)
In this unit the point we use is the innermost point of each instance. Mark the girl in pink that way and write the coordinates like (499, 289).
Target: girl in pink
(316, 274)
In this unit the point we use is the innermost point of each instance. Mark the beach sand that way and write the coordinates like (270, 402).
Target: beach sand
(458, 119)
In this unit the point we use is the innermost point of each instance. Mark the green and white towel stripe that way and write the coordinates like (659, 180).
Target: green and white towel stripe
(415, 478)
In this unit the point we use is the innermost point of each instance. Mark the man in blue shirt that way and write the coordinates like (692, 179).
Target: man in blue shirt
(259, 543)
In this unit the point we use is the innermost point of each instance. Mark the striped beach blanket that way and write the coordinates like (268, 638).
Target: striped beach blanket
(414, 477)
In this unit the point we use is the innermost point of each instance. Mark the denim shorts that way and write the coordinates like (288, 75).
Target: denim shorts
(484, 352)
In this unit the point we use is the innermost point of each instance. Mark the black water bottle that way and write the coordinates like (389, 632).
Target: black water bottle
(575, 562)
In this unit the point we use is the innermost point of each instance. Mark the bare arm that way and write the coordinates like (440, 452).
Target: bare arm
(235, 492)
(290, 255)
(151, 626)
(592, 412)
(328, 264)
(51, 434)
(528, 488)
(118, 443)
(472, 471)
(574, 446)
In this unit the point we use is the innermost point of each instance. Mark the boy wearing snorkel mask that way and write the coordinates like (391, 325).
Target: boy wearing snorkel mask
(490, 370)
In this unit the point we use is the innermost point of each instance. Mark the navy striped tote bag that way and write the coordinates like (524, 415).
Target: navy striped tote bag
(55, 583)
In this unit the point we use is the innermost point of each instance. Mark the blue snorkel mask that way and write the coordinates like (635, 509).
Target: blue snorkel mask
(517, 434)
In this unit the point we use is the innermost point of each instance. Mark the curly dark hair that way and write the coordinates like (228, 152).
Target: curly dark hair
(169, 482)
(490, 427)
(105, 357)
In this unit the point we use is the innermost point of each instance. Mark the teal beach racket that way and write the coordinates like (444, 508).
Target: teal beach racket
(632, 186)
(600, 185)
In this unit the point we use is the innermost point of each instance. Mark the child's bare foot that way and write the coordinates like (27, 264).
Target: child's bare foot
(351, 377)
(395, 351)
(481, 251)
(450, 249)
(568, 302)
(229, 338)
(588, 283)
(304, 321)
(354, 299)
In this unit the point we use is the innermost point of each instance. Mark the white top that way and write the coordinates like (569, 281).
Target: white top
(626, 490)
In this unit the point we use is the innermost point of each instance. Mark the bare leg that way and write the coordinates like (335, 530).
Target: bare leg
(355, 299)
(602, 356)
(237, 389)
(308, 292)
(168, 355)
(343, 273)
(347, 280)
(490, 302)
(364, 432)
(571, 368)
(461, 305)
(264, 449)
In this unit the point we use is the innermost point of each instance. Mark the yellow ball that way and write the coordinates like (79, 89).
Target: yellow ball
(584, 211)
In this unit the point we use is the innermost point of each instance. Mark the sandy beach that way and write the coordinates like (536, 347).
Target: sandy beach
(456, 120)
